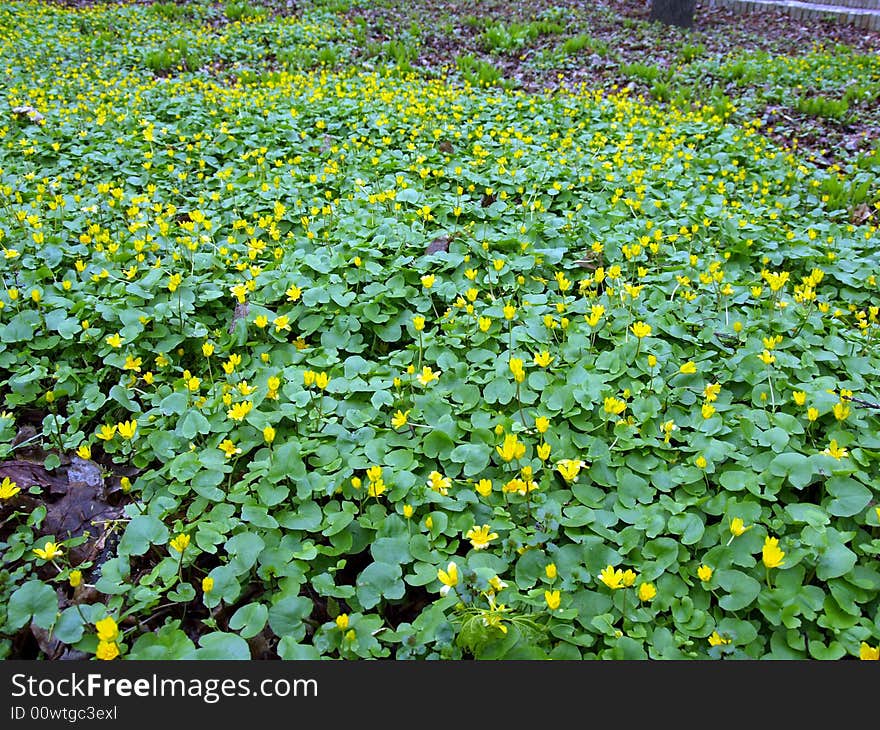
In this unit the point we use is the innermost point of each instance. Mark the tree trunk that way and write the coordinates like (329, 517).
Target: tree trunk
(674, 12)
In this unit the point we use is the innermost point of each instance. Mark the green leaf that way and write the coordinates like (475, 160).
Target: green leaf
(249, 620)
(850, 497)
(21, 327)
(391, 550)
(475, 457)
(168, 643)
(797, 467)
(193, 423)
(244, 549)
(141, 532)
(689, 526)
(223, 646)
(835, 560)
(32, 601)
(438, 444)
(286, 616)
(70, 626)
(289, 649)
(741, 589)
(810, 514)
(174, 404)
(377, 581)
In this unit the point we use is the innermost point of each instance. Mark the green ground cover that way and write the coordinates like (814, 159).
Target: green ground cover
(372, 361)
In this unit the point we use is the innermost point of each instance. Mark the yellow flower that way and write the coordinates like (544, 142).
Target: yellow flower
(281, 323)
(105, 433)
(704, 572)
(614, 406)
(516, 367)
(268, 434)
(174, 282)
(229, 448)
(207, 349)
(439, 483)
(867, 652)
(427, 376)
(448, 577)
(841, 411)
(542, 423)
(132, 363)
(75, 578)
(107, 650)
(647, 591)
(569, 469)
(509, 311)
(652, 361)
(480, 537)
(180, 542)
(629, 577)
(261, 320)
(374, 473)
(485, 323)
(711, 391)
(611, 577)
(127, 429)
(771, 342)
(708, 410)
(408, 511)
(342, 621)
(484, 487)
(689, 368)
(309, 378)
(717, 640)
(321, 380)
(293, 293)
(550, 571)
(800, 397)
(771, 554)
(8, 488)
(552, 598)
(418, 323)
(595, 315)
(49, 551)
(834, 450)
(114, 340)
(240, 410)
(376, 488)
(542, 359)
(511, 449)
(543, 451)
(766, 358)
(640, 329)
(428, 281)
(701, 462)
(561, 280)
(107, 629)
(812, 414)
(207, 584)
(399, 419)
(737, 527)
